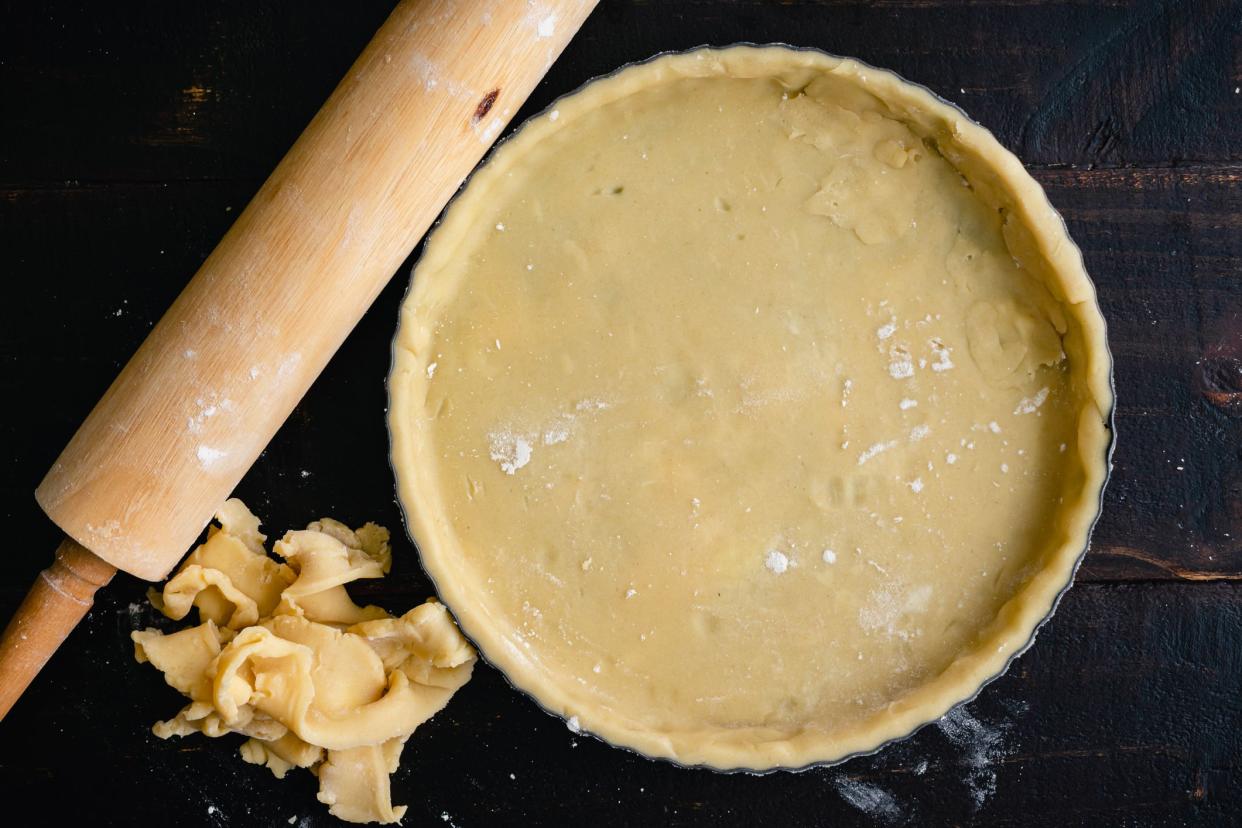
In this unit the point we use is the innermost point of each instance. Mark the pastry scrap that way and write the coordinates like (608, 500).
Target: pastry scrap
(283, 656)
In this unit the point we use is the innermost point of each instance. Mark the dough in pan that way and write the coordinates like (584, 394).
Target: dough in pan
(749, 407)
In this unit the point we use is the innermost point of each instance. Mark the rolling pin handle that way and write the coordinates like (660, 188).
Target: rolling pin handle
(59, 599)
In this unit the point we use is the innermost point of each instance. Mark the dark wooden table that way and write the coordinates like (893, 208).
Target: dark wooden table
(133, 134)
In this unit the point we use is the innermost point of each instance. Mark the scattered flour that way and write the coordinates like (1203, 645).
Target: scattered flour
(592, 405)
(511, 451)
(208, 407)
(512, 447)
(981, 744)
(208, 456)
(876, 448)
(776, 561)
(907, 403)
(556, 434)
(885, 331)
(1029, 405)
(919, 432)
(886, 606)
(900, 365)
(870, 799)
(289, 364)
(943, 362)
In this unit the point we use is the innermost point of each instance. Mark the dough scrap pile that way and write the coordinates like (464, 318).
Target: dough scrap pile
(283, 656)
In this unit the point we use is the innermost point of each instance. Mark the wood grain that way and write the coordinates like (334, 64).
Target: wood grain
(1061, 82)
(134, 135)
(1126, 712)
(59, 599)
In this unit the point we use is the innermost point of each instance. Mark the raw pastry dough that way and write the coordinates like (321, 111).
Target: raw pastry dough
(283, 656)
(750, 407)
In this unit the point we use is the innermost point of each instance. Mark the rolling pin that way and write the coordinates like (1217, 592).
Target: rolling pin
(241, 345)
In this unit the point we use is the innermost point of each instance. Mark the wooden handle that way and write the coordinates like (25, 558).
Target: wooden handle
(55, 604)
(225, 366)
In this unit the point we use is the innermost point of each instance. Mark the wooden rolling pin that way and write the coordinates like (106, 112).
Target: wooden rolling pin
(223, 369)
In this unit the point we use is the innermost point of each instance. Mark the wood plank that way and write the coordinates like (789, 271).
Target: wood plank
(1165, 250)
(134, 133)
(147, 92)
(1125, 711)
(1163, 246)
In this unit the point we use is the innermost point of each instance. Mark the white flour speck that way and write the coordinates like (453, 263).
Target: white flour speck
(919, 432)
(547, 26)
(573, 724)
(994, 427)
(900, 366)
(943, 362)
(554, 114)
(950, 459)
(511, 451)
(500, 225)
(907, 403)
(1028, 405)
(776, 561)
(431, 370)
(288, 364)
(830, 557)
(875, 449)
(554, 435)
(592, 405)
(208, 456)
(885, 331)
(916, 485)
